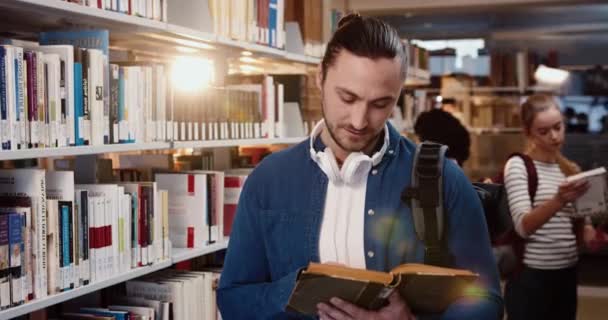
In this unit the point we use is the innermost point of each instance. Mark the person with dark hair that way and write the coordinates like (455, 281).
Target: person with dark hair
(336, 197)
(443, 128)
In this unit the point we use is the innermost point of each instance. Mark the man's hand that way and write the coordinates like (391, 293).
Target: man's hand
(342, 310)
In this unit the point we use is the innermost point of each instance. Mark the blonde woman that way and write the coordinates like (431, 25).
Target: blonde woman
(546, 286)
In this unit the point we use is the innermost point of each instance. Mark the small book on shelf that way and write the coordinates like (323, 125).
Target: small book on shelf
(593, 202)
(426, 289)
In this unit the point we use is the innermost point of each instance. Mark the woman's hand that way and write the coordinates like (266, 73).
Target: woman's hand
(570, 191)
(338, 309)
(594, 238)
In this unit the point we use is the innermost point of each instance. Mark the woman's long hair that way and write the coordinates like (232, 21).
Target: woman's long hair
(534, 105)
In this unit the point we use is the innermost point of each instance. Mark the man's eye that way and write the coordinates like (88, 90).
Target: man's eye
(380, 105)
(348, 100)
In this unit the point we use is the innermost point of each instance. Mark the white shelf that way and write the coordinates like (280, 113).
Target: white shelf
(52, 14)
(81, 150)
(68, 295)
(183, 254)
(177, 255)
(234, 143)
(130, 147)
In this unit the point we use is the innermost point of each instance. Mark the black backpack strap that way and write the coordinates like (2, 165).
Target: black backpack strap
(425, 196)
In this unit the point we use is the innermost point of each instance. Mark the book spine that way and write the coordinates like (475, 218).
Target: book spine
(4, 124)
(41, 278)
(21, 99)
(78, 104)
(5, 284)
(85, 126)
(15, 247)
(84, 220)
(114, 102)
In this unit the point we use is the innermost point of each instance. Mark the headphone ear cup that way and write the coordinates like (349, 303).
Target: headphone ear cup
(355, 167)
(328, 164)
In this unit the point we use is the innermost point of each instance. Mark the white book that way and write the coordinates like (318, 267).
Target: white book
(594, 201)
(127, 209)
(188, 207)
(96, 95)
(216, 208)
(9, 123)
(162, 291)
(22, 109)
(39, 127)
(53, 69)
(155, 305)
(32, 183)
(56, 274)
(110, 218)
(66, 55)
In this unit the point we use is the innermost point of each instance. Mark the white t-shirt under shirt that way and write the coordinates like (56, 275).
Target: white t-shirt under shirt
(341, 238)
(553, 245)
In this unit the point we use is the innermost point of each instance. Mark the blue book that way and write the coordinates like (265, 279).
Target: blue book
(65, 214)
(16, 247)
(78, 102)
(3, 103)
(272, 22)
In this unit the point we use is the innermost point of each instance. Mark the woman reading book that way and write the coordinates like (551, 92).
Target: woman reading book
(336, 198)
(546, 286)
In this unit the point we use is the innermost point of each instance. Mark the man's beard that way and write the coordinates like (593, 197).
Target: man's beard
(331, 129)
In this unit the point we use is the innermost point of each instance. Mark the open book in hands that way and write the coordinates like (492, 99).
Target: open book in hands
(593, 202)
(426, 289)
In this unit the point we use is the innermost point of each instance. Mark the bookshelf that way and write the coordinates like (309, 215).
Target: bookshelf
(130, 147)
(71, 294)
(177, 255)
(183, 254)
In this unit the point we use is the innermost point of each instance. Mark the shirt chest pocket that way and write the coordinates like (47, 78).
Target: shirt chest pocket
(290, 238)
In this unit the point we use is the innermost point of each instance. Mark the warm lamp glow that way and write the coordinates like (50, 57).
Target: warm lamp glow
(191, 74)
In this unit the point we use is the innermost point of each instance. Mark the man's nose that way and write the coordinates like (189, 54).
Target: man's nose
(358, 116)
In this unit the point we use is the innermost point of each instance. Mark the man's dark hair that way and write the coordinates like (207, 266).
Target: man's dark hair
(364, 37)
(442, 127)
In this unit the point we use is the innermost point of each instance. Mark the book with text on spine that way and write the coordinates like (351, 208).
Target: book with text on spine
(594, 201)
(426, 289)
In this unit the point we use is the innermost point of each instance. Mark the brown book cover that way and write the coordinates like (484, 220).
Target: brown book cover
(426, 289)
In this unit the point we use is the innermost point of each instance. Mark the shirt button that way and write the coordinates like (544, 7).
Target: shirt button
(391, 151)
(370, 212)
(370, 254)
(374, 172)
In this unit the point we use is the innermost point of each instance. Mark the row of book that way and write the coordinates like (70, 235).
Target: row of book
(62, 95)
(151, 9)
(72, 235)
(238, 111)
(255, 21)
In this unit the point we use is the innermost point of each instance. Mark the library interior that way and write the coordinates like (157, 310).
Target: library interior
(303, 159)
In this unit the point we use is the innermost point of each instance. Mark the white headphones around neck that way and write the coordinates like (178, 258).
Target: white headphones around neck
(356, 166)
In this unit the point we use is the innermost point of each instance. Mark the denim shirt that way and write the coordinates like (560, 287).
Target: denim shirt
(276, 232)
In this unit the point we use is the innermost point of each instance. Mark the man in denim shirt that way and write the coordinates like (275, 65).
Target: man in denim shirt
(336, 198)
